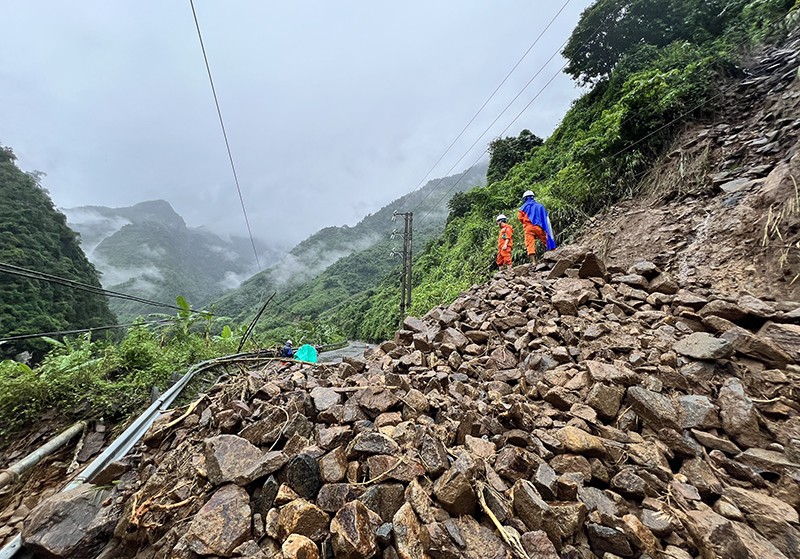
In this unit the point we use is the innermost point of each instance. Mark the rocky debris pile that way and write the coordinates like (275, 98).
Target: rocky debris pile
(721, 208)
(581, 412)
(42, 481)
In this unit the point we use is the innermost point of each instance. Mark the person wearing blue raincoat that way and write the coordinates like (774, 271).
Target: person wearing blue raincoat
(536, 225)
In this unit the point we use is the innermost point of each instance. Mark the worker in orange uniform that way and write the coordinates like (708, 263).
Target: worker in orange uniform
(536, 225)
(505, 241)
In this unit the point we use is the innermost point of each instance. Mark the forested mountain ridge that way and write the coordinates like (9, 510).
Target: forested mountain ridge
(147, 250)
(336, 263)
(34, 235)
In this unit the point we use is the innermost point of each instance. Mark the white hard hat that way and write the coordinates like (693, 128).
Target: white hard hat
(527, 193)
(289, 342)
(501, 216)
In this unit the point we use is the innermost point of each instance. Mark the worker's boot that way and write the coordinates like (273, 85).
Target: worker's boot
(532, 258)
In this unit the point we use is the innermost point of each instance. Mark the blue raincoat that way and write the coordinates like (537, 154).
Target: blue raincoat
(538, 216)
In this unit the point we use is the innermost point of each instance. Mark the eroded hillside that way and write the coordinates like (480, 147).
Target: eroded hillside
(722, 209)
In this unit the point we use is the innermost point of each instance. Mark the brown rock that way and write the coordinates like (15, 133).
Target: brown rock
(230, 458)
(763, 349)
(702, 345)
(304, 518)
(400, 467)
(639, 534)
(726, 310)
(592, 267)
(607, 539)
(579, 441)
(716, 536)
(753, 502)
(222, 524)
(385, 499)
(515, 463)
(297, 546)
(537, 544)
(410, 537)
(655, 409)
(421, 502)
(333, 496)
(333, 466)
(325, 398)
(529, 506)
(373, 442)
(564, 521)
(433, 455)
(605, 399)
(480, 542)
(454, 491)
(480, 448)
(377, 399)
(74, 523)
(353, 532)
(739, 416)
(453, 337)
(785, 336)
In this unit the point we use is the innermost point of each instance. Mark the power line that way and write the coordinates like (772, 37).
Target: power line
(225, 135)
(596, 31)
(498, 118)
(72, 284)
(80, 330)
(508, 75)
(627, 119)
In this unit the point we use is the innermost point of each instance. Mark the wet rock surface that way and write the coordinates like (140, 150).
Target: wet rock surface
(536, 437)
(583, 411)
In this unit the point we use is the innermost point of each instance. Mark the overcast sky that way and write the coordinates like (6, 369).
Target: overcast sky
(332, 109)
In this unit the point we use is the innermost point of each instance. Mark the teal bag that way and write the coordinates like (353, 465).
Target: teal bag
(307, 353)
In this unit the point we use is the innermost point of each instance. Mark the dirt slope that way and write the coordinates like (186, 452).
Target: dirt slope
(722, 209)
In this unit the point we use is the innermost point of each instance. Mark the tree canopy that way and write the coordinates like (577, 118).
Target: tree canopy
(611, 29)
(504, 153)
(34, 235)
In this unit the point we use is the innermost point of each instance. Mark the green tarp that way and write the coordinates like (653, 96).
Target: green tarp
(306, 352)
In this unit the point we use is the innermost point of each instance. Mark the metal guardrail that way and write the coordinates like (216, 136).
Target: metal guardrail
(135, 431)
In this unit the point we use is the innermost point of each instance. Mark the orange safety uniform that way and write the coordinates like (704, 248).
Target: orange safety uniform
(532, 232)
(505, 241)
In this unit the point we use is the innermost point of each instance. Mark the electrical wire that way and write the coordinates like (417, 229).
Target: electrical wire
(19, 271)
(225, 134)
(525, 108)
(496, 89)
(627, 119)
(81, 330)
(478, 139)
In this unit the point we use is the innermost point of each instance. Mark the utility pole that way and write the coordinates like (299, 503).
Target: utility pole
(405, 277)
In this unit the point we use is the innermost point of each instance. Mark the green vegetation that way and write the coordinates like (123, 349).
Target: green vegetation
(34, 235)
(323, 285)
(651, 64)
(81, 377)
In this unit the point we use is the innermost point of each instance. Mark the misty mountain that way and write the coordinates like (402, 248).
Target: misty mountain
(147, 250)
(336, 263)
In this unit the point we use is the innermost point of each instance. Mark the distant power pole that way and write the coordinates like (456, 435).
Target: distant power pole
(405, 298)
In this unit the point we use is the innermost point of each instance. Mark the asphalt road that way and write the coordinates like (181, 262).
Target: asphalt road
(353, 349)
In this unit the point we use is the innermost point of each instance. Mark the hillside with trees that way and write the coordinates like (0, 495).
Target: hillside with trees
(651, 67)
(338, 266)
(34, 235)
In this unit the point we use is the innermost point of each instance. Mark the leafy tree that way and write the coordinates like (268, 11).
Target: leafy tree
(610, 29)
(34, 235)
(504, 153)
